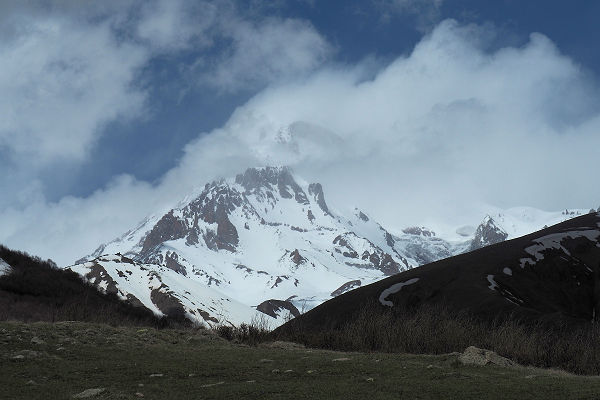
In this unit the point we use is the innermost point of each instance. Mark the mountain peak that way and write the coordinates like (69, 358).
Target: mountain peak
(487, 233)
(254, 180)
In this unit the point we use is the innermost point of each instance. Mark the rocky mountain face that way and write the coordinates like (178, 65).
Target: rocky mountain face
(261, 242)
(487, 233)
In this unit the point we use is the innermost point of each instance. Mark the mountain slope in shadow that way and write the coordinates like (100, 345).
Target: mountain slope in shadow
(551, 276)
(32, 289)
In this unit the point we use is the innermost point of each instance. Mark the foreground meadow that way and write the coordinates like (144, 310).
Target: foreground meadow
(81, 360)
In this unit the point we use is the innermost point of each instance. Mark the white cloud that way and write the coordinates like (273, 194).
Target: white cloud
(61, 82)
(427, 13)
(62, 230)
(431, 139)
(266, 51)
(443, 131)
(177, 24)
(69, 69)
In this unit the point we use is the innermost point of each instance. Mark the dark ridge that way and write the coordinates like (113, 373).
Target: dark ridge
(542, 313)
(37, 290)
(346, 287)
(489, 283)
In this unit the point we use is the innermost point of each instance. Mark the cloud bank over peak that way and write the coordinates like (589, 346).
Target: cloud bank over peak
(447, 129)
(432, 138)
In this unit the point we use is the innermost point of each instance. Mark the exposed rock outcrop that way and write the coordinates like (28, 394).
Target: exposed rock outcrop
(419, 231)
(274, 307)
(476, 356)
(487, 233)
(346, 287)
(316, 190)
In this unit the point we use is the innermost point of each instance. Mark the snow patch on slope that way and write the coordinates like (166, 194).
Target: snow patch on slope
(492, 282)
(5, 269)
(394, 289)
(554, 241)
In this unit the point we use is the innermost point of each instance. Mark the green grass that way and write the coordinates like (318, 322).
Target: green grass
(78, 356)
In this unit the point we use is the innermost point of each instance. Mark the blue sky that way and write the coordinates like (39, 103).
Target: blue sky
(117, 109)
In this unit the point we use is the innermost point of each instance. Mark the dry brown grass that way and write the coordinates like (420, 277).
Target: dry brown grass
(435, 330)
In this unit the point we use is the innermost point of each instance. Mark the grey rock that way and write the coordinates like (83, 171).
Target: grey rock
(89, 393)
(476, 356)
(37, 340)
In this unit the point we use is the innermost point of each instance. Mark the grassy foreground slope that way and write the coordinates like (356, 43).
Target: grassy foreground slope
(61, 360)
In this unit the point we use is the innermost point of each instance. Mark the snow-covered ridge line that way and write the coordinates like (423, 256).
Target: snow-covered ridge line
(520, 221)
(261, 237)
(267, 237)
(164, 291)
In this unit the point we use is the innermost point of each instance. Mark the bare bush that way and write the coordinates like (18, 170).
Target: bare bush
(437, 330)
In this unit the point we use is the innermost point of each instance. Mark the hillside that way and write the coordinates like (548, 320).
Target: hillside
(549, 276)
(53, 361)
(32, 289)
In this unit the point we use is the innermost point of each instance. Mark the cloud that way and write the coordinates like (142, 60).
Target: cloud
(177, 24)
(62, 230)
(61, 82)
(445, 131)
(433, 138)
(427, 13)
(69, 70)
(267, 51)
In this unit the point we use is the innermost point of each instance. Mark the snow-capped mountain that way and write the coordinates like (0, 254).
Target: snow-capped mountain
(487, 233)
(260, 237)
(266, 241)
(516, 222)
(163, 290)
